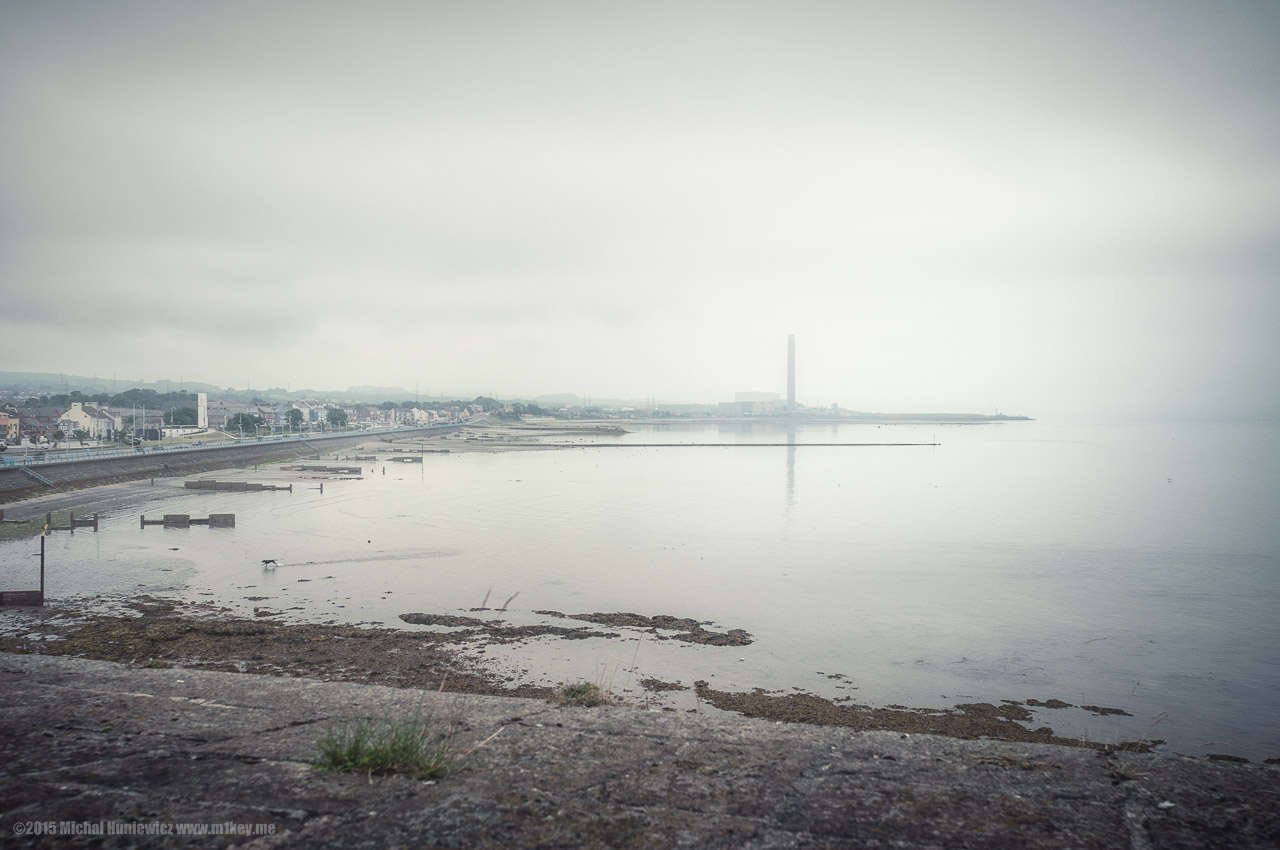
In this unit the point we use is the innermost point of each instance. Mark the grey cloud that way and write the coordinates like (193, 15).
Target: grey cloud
(902, 182)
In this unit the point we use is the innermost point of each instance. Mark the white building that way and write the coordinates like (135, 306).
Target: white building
(751, 404)
(98, 422)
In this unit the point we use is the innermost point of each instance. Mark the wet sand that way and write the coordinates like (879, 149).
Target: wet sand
(165, 633)
(157, 633)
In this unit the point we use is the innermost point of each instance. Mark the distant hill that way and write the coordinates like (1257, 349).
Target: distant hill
(26, 384)
(55, 383)
(51, 383)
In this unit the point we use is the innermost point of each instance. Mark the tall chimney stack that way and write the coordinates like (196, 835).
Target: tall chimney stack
(791, 371)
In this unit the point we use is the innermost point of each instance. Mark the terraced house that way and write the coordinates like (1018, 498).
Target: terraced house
(97, 421)
(38, 421)
(10, 427)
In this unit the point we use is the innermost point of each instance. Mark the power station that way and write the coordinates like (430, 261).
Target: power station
(791, 371)
(767, 404)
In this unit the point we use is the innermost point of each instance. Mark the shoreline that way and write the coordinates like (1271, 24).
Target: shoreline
(151, 632)
(1007, 719)
(17, 486)
(23, 508)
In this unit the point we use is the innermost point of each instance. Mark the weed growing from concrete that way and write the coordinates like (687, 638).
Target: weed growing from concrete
(411, 745)
(581, 693)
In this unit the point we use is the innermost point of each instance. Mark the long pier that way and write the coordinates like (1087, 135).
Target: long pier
(722, 445)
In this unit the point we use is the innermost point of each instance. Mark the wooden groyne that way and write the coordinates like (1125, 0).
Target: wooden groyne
(417, 451)
(29, 598)
(32, 598)
(336, 470)
(235, 486)
(72, 523)
(186, 521)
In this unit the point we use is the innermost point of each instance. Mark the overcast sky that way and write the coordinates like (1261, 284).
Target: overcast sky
(1059, 209)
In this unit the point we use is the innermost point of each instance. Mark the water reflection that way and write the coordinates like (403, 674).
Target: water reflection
(1012, 562)
(791, 468)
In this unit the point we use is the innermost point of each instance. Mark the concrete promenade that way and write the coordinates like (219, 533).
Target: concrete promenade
(124, 465)
(101, 744)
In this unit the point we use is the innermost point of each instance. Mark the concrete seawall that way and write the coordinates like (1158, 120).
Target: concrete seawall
(16, 485)
(95, 742)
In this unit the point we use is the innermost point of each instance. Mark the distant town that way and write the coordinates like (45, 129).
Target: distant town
(82, 411)
(141, 416)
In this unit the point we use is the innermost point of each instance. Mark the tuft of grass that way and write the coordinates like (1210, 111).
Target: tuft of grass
(581, 693)
(412, 745)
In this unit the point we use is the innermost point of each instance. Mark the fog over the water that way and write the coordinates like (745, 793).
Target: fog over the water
(1058, 209)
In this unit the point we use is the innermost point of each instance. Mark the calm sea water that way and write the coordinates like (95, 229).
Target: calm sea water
(1131, 566)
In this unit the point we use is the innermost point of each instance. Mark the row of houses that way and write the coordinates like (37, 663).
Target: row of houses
(100, 422)
(314, 414)
(97, 421)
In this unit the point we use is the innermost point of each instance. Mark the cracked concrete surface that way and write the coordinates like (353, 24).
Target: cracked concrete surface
(95, 742)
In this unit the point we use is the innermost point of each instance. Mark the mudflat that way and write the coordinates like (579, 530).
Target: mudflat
(155, 632)
(117, 729)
